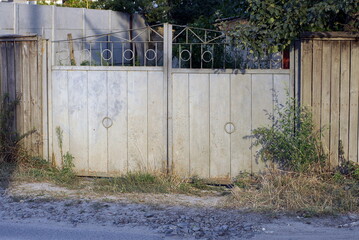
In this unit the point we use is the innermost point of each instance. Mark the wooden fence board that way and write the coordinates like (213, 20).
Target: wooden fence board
(220, 152)
(3, 73)
(306, 73)
(344, 96)
(10, 58)
(241, 116)
(181, 136)
(117, 111)
(354, 88)
(317, 83)
(326, 79)
(19, 88)
(26, 99)
(334, 103)
(199, 124)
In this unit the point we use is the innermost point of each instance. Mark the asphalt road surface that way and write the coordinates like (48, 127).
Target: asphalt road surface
(28, 231)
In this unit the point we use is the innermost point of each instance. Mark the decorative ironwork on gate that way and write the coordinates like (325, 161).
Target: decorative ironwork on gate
(133, 47)
(204, 48)
(191, 48)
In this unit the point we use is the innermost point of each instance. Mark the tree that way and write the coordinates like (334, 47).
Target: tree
(276, 23)
(154, 11)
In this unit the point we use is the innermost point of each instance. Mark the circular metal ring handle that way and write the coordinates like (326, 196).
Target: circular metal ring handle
(107, 122)
(229, 127)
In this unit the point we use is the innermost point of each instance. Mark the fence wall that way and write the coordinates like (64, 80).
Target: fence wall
(113, 118)
(329, 86)
(55, 23)
(23, 73)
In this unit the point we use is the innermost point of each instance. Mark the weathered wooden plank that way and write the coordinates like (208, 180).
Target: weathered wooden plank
(181, 139)
(39, 107)
(45, 109)
(241, 107)
(326, 79)
(334, 103)
(11, 79)
(97, 111)
(19, 80)
(77, 90)
(26, 93)
(137, 121)
(262, 103)
(344, 97)
(3, 73)
(117, 111)
(60, 114)
(354, 88)
(156, 123)
(306, 75)
(199, 124)
(220, 140)
(10, 59)
(35, 104)
(317, 83)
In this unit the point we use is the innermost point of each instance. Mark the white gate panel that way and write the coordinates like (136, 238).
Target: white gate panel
(157, 139)
(114, 121)
(117, 112)
(78, 124)
(220, 147)
(181, 143)
(60, 115)
(199, 124)
(137, 120)
(97, 111)
(241, 116)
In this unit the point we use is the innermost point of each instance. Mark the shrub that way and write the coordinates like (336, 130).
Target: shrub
(9, 137)
(291, 141)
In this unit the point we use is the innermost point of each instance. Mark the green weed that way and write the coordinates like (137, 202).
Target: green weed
(291, 142)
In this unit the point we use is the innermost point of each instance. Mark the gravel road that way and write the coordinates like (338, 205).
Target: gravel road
(166, 221)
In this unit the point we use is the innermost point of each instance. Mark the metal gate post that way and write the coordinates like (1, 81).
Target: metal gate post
(167, 74)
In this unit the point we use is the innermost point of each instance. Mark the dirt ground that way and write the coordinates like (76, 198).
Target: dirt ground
(173, 216)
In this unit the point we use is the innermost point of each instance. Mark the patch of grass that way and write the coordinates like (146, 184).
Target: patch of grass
(141, 183)
(307, 194)
(39, 169)
(138, 182)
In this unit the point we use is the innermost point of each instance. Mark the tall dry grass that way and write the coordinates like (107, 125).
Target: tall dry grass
(296, 192)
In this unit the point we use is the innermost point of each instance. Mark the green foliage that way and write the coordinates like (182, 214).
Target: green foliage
(292, 141)
(274, 24)
(75, 4)
(154, 11)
